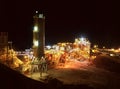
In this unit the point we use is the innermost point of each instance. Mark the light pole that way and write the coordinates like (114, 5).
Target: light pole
(10, 42)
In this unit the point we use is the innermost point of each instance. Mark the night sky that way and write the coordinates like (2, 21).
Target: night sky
(98, 20)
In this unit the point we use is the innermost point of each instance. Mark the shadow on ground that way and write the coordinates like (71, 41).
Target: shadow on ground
(11, 79)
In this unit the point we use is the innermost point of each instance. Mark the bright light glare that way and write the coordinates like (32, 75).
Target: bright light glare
(36, 11)
(36, 43)
(103, 47)
(112, 49)
(82, 39)
(35, 29)
(111, 54)
(40, 15)
(48, 46)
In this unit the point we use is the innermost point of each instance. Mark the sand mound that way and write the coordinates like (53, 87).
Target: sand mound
(108, 63)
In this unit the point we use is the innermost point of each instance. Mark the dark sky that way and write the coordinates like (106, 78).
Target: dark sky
(98, 20)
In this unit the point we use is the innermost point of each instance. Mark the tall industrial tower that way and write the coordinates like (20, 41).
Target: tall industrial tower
(39, 35)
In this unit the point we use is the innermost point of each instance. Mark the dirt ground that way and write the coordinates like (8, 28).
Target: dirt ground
(84, 73)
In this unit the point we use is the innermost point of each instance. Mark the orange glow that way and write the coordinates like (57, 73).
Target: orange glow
(74, 64)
